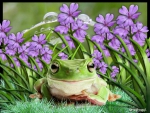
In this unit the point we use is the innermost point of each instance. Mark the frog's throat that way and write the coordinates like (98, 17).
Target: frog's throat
(55, 79)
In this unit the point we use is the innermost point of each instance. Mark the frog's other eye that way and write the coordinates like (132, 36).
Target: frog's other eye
(54, 68)
(91, 66)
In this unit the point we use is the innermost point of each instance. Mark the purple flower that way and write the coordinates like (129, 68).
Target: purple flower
(63, 55)
(139, 31)
(39, 64)
(62, 28)
(96, 62)
(23, 51)
(104, 24)
(4, 40)
(126, 16)
(10, 50)
(33, 51)
(106, 51)
(2, 55)
(37, 42)
(70, 42)
(115, 71)
(135, 60)
(148, 53)
(16, 62)
(99, 38)
(46, 54)
(79, 26)
(4, 28)
(68, 14)
(121, 30)
(131, 49)
(114, 43)
(126, 39)
(15, 40)
(102, 67)
(97, 55)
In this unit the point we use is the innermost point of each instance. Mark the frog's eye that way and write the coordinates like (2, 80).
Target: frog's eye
(90, 66)
(54, 68)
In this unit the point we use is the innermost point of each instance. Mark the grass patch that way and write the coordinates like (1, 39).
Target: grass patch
(43, 106)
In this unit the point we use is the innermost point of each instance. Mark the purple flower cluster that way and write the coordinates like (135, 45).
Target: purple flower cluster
(99, 64)
(63, 55)
(102, 31)
(114, 72)
(126, 27)
(70, 25)
(14, 47)
(70, 42)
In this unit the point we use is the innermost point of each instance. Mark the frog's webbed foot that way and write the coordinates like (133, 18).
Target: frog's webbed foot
(41, 88)
(100, 98)
(113, 97)
(35, 95)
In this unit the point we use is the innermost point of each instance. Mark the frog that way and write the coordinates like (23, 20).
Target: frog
(74, 80)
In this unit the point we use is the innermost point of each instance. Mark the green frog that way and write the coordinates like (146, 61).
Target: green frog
(74, 80)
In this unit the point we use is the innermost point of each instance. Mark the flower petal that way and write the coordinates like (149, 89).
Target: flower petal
(109, 17)
(123, 11)
(64, 8)
(19, 35)
(100, 19)
(7, 29)
(12, 36)
(139, 25)
(42, 37)
(62, 17)
(144, 29)
(69, 20)
(5, 23)
(133, 9)
(128, 22)
(111, 23)
(121, 19)
(35, 38)
(135, 16)
(76, 13)
(73, 7)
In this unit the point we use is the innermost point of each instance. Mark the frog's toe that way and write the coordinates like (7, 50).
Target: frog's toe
(96, 100)
(36, 95)
(100, 98)
(113, 97)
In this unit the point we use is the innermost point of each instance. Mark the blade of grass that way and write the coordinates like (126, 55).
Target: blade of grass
(23, 79)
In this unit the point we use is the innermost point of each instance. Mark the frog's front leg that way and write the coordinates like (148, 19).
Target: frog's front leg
(102, 96)
(41, 89)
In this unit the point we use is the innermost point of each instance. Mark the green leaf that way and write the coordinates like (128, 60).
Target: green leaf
(72, 57)
(90, 45)
(35, 63)
(133, 94)
(145, 59)
(54, 57)
(64, 41)
(23, 79)
(77, 42)
(24, 64)
(143, 89)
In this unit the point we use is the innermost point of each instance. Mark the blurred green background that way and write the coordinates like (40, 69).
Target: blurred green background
(24, 15)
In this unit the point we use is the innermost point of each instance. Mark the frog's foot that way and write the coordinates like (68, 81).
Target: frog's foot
(100, 98)
(36, 95)
(78, 97)
(113, 97)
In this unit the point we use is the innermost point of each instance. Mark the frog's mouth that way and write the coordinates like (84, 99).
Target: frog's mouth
(93, 78)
